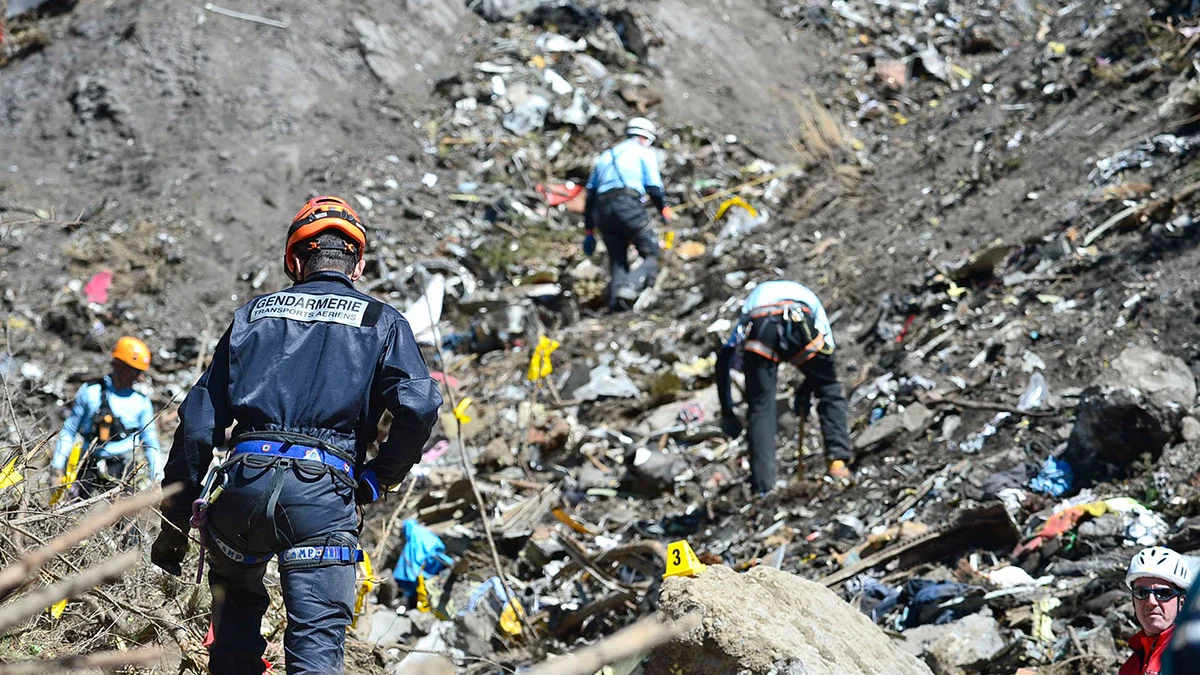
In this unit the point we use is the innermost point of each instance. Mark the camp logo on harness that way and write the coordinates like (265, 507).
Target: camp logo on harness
(309, 308)
(233, 555)
(307, 553)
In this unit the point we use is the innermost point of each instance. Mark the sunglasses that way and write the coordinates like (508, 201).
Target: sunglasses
(1160, 593)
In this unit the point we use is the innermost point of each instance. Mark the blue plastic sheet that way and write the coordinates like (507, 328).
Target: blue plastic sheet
(424, 553)
(1055, 478)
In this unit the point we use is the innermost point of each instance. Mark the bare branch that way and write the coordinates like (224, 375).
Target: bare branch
(64, 664)
(12, 576)
(34, 602)
(75, 506)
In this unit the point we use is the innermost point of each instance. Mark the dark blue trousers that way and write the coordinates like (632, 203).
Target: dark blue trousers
(311, 509)
(624, 222)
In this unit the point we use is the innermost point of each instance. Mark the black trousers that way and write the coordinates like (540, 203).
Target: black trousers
(820, 378)
(624, 222)
(312, 509)
(94, 479)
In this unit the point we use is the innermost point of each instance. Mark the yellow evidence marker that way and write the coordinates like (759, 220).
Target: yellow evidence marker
(682, 560)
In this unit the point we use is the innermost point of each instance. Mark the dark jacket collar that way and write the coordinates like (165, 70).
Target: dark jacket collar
(327, 275)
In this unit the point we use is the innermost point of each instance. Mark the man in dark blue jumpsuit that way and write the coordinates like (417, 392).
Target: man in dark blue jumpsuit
(305, 373)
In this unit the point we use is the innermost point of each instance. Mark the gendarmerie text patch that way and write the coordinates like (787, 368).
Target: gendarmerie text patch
(305, 307)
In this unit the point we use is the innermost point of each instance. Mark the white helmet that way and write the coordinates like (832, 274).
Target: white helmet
(1159, 562)
(640, 126)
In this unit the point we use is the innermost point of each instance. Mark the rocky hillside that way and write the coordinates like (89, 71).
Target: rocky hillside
(995, 203)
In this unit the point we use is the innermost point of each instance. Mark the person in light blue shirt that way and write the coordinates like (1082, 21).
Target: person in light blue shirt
(113, 420)
(784, 321)
(623, 175)
(773, 293)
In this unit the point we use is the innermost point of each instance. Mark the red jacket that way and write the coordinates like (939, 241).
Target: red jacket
(1147, 653)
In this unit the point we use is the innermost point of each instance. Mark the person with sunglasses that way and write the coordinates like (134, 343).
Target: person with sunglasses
(1159, 579)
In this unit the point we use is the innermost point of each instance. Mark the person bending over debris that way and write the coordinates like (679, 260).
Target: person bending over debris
(622, 175)
(112, 418)
(305, 373)
(1159, 579)
(783, 321)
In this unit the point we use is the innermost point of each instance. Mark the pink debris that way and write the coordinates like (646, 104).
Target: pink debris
(96, 289)
(439, 376)
(440, 448)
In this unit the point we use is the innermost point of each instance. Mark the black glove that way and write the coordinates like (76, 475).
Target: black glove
(589, 243)
(731, 426)
(169, 548)
(369, 489)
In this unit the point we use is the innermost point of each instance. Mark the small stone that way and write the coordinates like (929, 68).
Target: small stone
(916, 418)
(1190, 429)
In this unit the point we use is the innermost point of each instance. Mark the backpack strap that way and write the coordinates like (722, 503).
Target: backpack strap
(106, 426)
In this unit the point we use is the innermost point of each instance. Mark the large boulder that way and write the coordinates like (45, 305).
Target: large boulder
(769, 621)
(1116, 426)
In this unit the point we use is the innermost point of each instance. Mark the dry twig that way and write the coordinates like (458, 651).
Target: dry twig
(64, 664)
(59, 513)
(35, 602)
(932, 398)
(13, 575)
(387, 530)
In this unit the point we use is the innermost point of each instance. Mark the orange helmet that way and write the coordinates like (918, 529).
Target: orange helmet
(133, 353)
(317, 215)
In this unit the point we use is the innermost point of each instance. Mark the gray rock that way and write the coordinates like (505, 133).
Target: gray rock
(18, 7)
(389, 628)
(589, 477)
(426, 659)
(652, 473)
(952, 648)
(1164, 379)
(503, 10)
(1181, 460)
(381, 50)
(769, 621)
(1108, 526)
(1190, 429)
(882, 430)
(916, 417)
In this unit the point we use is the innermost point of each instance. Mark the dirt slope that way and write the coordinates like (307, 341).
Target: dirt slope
(171, 144)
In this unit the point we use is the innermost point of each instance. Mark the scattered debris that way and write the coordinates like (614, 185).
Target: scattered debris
(1014, 314)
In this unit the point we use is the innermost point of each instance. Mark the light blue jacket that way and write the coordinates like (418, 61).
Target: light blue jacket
(629, 165)
(775, 292)
(136, 414)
